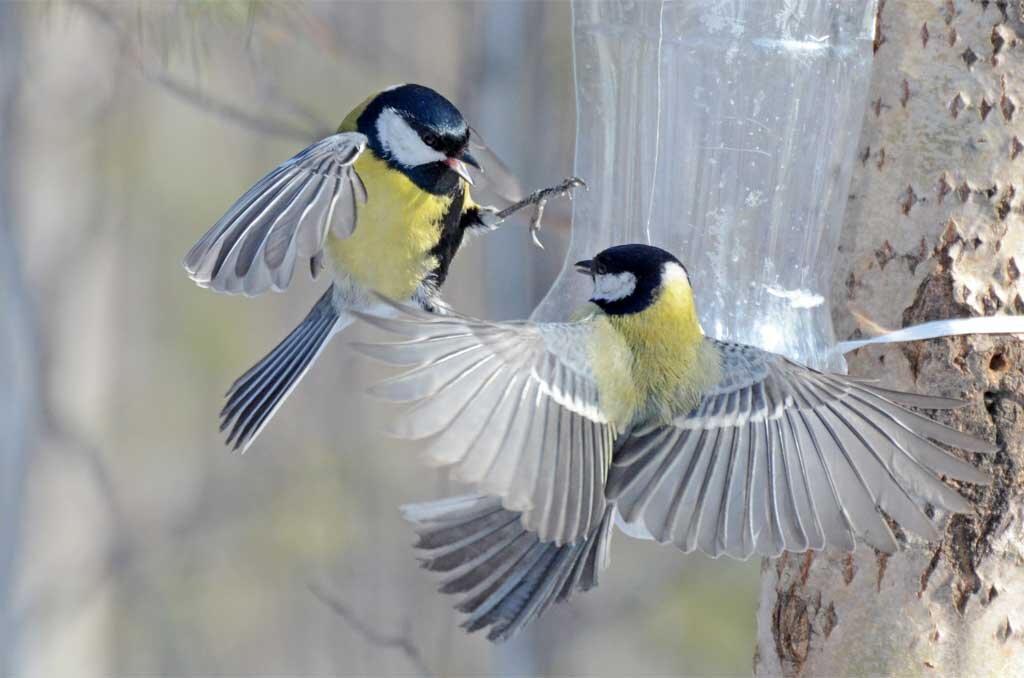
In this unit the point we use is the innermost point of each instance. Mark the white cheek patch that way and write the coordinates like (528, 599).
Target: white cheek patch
(614, 286)
(401, 141)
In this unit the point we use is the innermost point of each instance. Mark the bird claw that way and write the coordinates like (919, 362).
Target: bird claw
(539, 199)
(535, 224)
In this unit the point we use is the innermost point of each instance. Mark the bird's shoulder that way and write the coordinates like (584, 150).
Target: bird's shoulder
(754, 384)
(570, 342)
(741, 365)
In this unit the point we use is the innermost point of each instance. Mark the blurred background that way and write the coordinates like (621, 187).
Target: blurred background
(132, 541)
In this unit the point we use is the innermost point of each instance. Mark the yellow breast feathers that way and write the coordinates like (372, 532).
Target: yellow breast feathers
(654, 363)
(395, 230)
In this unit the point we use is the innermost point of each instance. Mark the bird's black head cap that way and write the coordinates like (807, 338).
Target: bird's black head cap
(437, 122)
(627, 277)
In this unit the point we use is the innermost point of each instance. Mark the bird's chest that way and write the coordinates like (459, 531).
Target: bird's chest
(391, 249)
(650, 365)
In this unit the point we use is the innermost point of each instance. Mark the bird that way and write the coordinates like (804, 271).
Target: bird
(384, 203)
(628, 414)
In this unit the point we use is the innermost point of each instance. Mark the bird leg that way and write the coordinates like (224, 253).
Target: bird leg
(539, 199)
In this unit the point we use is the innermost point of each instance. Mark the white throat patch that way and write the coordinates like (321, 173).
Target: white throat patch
(402, 142)
(613, 286)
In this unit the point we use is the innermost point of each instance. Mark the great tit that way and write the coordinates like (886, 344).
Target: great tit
(384, 203)
(630, 410)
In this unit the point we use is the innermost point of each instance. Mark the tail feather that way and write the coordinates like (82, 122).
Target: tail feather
(506, 576)
(255, 396)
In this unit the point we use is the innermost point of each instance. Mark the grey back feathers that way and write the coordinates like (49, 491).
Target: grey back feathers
(283, 218)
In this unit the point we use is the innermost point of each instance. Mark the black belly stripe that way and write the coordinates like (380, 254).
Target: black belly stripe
(453, 227)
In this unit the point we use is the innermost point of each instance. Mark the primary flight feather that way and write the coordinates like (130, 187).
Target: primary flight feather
(631, 410)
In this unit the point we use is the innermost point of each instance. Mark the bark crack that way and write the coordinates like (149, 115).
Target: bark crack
(791, 626)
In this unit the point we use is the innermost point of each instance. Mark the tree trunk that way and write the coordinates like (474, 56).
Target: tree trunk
(934, 229)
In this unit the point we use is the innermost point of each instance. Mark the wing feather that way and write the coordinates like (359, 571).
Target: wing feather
(789, 487)
(284, 216)
(475, 426)
(809, 477)
(514, 423)
(837, 527)
(778, 457)
(511, 407)
(738, 537)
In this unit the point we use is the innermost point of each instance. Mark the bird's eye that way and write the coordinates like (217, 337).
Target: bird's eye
(599, 268)
(429, 138)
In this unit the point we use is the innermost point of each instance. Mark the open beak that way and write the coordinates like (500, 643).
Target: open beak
(459, 168)
(585, 267)
(467, 158)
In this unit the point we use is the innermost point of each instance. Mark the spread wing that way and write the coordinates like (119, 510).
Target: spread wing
(511, 407)
(284, 217)
(494, 176)
(781, 457)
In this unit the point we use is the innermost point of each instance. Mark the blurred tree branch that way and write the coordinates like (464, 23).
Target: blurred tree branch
(204, 101)
(401, 642)
(19, 399)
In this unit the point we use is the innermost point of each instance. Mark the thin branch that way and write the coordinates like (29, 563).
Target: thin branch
(196, 97)
(401, 642)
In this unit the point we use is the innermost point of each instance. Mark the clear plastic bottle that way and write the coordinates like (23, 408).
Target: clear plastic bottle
(726, 133)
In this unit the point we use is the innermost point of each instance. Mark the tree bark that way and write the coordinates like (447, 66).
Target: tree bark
(934, 229)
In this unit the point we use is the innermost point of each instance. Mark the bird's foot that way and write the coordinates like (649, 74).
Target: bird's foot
(540, 199)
